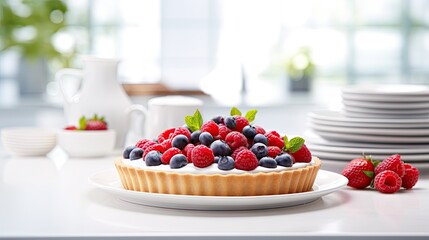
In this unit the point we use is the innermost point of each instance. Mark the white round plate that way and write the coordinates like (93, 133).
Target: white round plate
(370, 138)
(367, 151)
(341, 117)
(386, 105)
(373, 131)
(387, 111)
(312, 138)
(369, 125)
(383, 98)
(388, 90)
(326, 182)
(350, 156)
(385, 116)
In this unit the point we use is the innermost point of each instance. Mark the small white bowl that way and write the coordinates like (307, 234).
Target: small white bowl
(85, 144)
(28, 141)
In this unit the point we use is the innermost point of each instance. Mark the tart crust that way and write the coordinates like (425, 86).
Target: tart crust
(247, 184)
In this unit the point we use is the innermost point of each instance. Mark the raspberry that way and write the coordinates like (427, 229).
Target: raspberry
(188, 150)
(387, 181)
(273, 151)
(411, 176)
(166, 134)
(236, 151)
(223, 131)
(156, 147)
(355, 172)
(393, 163)
(235, 140)
(302, 155)
(259, 129)
(141, 143)
(202, 156)
(166, 144)
(274, 133)
(166, 157)
(179, 131)
(246, 160)
(241, 123)
(210, 127)
(275, 140)
(147, 144)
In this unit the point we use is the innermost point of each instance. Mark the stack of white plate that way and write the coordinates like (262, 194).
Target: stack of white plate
(28, 141)
(392, 101)
(376, 121)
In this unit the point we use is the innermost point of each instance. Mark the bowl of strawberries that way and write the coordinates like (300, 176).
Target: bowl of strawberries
(91, 137)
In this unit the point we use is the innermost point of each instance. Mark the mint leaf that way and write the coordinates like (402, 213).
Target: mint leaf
(286, 142)
(189, 120)
(250, 115)
(198, 119)
(235, 111)
(369, 174)
(82, 123)
(194, 122)
(295, 144)
(375, 163)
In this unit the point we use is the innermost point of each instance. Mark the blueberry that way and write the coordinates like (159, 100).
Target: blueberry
(284, 160)
(216, 159)
(186, 126)
(127, 152)
(230, 122)
(260, 150)
(268, 162)
(249, 132)
(178, 161)
(260, 138)
(195, 137)
(206, 138)
(220, 148)
(226, 163)
(179, 141)
(218, 119)
(136, 153)
(153, 158)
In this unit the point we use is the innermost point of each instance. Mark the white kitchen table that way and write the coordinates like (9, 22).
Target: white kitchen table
(51, 197)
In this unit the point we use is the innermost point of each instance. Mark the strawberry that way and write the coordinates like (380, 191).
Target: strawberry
(302, 155)
(387, 181)
(359, 172)
(393, 163)
(95, 123)
(70, 128)
(411, 176)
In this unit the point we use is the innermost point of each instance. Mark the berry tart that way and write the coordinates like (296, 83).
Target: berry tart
(225, 156)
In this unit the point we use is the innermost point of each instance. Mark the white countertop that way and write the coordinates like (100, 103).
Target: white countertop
(52, 197)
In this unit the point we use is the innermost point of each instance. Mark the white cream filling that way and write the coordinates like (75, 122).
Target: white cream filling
(212, 169)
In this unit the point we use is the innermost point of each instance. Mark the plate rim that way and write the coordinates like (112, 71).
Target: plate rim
(339, 116)
(337, 183)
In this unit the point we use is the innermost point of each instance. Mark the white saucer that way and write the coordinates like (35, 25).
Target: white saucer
(370, 138)
(383, 98)
(387, 105)
(349, 156)
(387, 111)
(337, 116)
(397, 91)
(369, 125)
(326, 182)
(373, 131)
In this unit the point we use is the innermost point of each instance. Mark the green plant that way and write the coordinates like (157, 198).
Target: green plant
(300, 64)
(29, 25)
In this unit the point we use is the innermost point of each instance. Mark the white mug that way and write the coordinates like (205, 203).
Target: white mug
(168, 112)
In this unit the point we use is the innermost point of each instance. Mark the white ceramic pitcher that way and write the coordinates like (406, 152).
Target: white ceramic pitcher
(100, 93)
